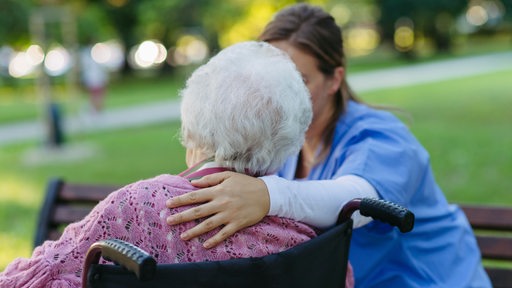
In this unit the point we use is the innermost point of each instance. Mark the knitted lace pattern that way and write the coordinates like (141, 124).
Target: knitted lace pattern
(137, 213)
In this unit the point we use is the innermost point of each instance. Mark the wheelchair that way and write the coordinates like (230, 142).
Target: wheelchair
(319, 262)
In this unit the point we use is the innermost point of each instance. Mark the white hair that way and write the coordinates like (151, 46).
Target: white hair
(248, 107)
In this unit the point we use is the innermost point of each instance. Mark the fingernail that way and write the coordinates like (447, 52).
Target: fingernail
(168, 202)
(184, 236)
(170, 220)
(207, 244)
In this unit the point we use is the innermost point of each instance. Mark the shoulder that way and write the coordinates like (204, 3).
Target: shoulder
(377, 146)
(360, 116)
(161, 187)
(166, 180)
(361, 123)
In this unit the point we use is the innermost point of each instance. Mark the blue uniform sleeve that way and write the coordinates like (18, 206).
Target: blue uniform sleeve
(382, 150)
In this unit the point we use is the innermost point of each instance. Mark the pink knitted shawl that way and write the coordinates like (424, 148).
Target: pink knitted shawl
(137, 213)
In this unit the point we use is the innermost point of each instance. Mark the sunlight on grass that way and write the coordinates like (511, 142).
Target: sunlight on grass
(18, 208)
(465, 126)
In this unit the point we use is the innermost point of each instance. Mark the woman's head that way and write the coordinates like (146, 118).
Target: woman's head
(248, 107)
(312, 31)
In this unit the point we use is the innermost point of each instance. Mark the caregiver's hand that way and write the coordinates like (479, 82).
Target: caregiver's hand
(229, 199)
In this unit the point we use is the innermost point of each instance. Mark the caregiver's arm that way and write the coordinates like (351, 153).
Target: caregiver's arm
(226, 204)
(318, 202)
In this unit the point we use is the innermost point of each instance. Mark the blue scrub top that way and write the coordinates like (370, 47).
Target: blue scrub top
(441, 250)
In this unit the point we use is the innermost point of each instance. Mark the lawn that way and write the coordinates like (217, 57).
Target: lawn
(465, 125)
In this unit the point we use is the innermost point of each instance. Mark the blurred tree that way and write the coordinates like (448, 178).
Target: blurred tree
(403, 23)
(123, 16)
(14, 16)
(166, 20)
(93, 23)
(251, 21)
(433, 19)
(508, 8)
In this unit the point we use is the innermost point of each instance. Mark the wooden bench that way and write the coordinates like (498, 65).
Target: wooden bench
(65, 203)
(493, 228)
(68, 202)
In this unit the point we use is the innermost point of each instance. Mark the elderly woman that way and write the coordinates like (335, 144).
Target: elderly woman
(246, 110)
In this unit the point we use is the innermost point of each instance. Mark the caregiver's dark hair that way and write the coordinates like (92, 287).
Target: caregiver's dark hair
(314, 31)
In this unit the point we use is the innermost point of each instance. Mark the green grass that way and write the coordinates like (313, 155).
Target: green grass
(465, 125)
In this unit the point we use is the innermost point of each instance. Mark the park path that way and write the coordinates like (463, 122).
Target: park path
(151, 113)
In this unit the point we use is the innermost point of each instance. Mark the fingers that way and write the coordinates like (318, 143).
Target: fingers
(203, 227)
(202, 195)
(212, 179)
(222, 235)
(193, 213)
(193, 197)
(209, 224)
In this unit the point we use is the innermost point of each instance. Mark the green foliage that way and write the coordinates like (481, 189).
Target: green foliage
(434, 19)
(14, 19)
(166, 20)
(124, 19)
(94, 25)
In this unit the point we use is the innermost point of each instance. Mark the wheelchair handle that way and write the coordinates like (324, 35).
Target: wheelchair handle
(381, 210)
(123, 253)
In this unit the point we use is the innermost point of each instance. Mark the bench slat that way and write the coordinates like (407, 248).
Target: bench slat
(84, 192)
(493, 247)
(69, 214)
(501, 277)
(66, 203)
(54, 234)
(492, 226)
(489, 217)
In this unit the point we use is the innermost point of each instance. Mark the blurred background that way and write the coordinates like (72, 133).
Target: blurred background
(53, 124)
